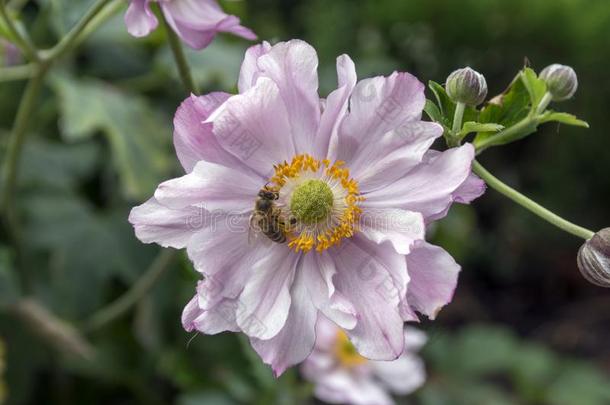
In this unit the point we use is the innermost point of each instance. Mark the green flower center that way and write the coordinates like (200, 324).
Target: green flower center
(311, 201)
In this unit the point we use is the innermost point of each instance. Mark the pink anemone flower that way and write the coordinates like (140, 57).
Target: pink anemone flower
(294, 206)
(195, 21)
(341, 375)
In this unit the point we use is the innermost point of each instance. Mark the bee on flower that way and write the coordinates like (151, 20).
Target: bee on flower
(352, 186)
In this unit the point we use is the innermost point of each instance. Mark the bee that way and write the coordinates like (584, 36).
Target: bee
(267, 217)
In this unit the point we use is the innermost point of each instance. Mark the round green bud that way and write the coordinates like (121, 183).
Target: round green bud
(594, 259)
(311, 201)
(561, 81)
(466, 86)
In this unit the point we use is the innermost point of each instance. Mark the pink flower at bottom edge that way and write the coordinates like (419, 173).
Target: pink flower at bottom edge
(349, 182)
(341, 375)
(195, 21)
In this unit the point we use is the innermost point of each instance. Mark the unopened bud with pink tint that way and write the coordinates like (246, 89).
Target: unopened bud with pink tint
(594, 259)
(466, 86)
(561, 81)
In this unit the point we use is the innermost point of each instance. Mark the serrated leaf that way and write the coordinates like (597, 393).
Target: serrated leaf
(564, 118)
(536, 87)
(470, 126)
(138, 137)
(506, 109)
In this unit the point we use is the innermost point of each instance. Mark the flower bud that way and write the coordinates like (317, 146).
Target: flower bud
(561, 81)
(466, 86)
(594, 259)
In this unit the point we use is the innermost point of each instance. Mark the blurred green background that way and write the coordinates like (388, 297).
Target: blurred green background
(524, 327)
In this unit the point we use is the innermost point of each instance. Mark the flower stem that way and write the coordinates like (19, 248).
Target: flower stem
(22, 41)
(544, 103)
(71, 38)
(11, 162)
(19, 72)
(144, 284)
(458, 116)
(522, 128)
(529, 204)
(183, 67)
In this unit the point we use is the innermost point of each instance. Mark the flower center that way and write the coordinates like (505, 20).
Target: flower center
(311, 201)
(346, 353)
(318, 202)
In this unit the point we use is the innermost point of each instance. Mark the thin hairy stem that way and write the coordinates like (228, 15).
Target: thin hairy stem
(529, 204)
(181, 63)
(144, 284)
(72, 37)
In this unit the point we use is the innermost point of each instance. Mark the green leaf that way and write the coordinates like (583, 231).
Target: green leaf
(563, 118)
(55, 165)
(447, 107)
(138, 136)
(470, 126)
(535, 87)
(433, 111)
(506, 109)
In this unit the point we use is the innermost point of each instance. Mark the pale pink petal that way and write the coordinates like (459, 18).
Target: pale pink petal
(217, 188)
(403, 375)
(341, 386)
(319, 270)
(254, 127)
(265, 301)
(139, 19)
(401, 228)
(216, 318)
(296, 339)
(429, 187)
(471, 189)
(168, 227)
(336, 106)
(190, 313)
(224, 245)
(392, 155)
(367, 282)
(191, 135)
(381, 104)
(250, 71)
(198, 21)
(293, 67)
(434, 276)
(220, 318)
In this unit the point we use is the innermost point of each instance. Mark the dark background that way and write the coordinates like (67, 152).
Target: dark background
(524, 327)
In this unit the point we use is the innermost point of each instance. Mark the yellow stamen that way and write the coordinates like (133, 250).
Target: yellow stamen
(343, 226)
(346, 353)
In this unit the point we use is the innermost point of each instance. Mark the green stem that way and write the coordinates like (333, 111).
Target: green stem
(71, 38)
(544, 103)
(10, 170)
(458, 116)
(19, 72)
(22, 119)
(529, 204)
(183, 67)
(144, 284)
(514, 132)
(22, 41)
